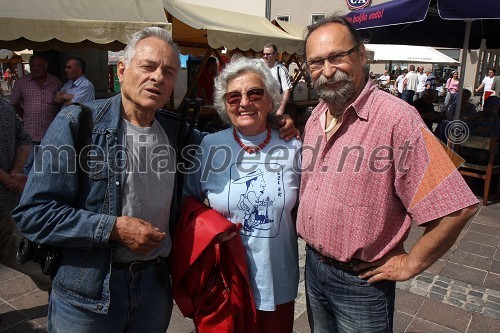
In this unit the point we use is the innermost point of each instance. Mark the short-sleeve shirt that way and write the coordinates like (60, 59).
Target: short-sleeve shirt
(488, 81)
(431, 82)
(381, 170)
(259, 191)
(37, 102)
(81, 89)
(284, 78)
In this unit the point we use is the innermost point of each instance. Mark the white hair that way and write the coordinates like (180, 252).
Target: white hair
(235, 69)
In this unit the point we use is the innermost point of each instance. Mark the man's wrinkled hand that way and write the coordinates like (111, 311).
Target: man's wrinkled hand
(287, 129)
(394, 266)
(136, 234)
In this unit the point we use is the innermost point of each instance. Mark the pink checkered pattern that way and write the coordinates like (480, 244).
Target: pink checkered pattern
(361, 190)
(37, 102)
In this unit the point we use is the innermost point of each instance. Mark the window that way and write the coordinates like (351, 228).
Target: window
(285, 18)
(315, 17)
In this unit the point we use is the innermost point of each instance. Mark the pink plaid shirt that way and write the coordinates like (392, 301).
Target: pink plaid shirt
(381, 170)
(37, 103)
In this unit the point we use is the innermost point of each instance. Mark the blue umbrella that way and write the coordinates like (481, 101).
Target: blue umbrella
(445, 23)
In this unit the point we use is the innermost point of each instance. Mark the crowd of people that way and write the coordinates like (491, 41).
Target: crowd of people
(351, 186)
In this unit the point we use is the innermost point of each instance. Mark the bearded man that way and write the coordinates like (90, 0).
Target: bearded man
(370, 167)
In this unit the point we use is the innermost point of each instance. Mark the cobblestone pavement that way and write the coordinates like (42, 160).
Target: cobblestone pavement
(459, 293)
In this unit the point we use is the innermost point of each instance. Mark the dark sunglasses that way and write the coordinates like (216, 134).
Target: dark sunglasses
(234, 97)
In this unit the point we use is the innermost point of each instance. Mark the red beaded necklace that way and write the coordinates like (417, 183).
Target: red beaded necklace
(252, 149)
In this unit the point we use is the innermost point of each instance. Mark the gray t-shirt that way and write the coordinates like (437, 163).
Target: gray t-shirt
(148, 184)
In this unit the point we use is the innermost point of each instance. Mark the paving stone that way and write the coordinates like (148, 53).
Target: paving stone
(466, 274)
(444, 314)
(427, 275)
(485, 229)
(493, 292)
(444, 279)
(491, 313)
(16, 287)
(493, 299)
(10, 316)
(495, 266)
(301, 325)
(492, 306)
(482, 324)
(408, 302)
(473, 307)
(492, 281)
(497, 255)
(425, 279)
(401, 321)
(441, 284)
(439, 290)
(437, 267)
(471, 260)
(7, 273)
(476, 293)
(480, 238)
(454, 302)
(460, 296)
(421, 325)
(479, 249)
(460, 284)
(437, 296)
(475, 300)
(178, 323)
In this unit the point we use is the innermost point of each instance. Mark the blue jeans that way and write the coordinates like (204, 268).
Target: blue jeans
(407, 96)
(139, 303)
(339, 301)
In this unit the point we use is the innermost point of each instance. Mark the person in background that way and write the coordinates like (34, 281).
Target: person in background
(486, 124)
(14, 151)
(410, 85)
(422, 79)
(425, 108)
(487, 81)
(452, 85)
(33, 98)
(399, 82)
(78, 89)
(206, 82)
(9, 78)
(280, 73)
(357, 203)
(258, 188)
(430, 80)
(384, 80)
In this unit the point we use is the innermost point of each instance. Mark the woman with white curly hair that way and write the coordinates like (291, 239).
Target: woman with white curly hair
(251, 177)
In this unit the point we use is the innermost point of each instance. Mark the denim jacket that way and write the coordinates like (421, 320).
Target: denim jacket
(77, 214)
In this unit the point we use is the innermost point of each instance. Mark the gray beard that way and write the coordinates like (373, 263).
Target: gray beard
(336, 98)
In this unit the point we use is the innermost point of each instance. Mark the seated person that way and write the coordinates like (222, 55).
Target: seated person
(426, 110)
(385, 79)
(467, 109)
(485, 123)
(466, 112)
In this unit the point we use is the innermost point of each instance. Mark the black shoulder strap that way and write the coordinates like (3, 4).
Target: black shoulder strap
(85, 124)
(279, 76)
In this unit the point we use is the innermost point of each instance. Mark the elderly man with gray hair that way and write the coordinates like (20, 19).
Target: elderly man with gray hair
(110, 217)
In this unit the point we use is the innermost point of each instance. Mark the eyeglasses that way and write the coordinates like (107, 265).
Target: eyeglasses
(234, 97)
(267, 54)
(334, 59)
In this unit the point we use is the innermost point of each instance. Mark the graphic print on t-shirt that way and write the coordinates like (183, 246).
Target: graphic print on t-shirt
(256, 189)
